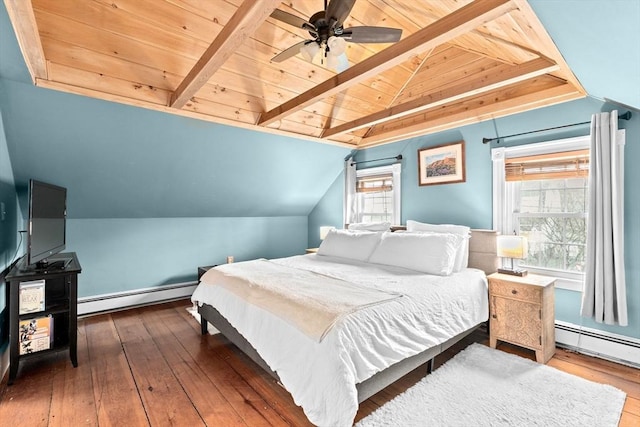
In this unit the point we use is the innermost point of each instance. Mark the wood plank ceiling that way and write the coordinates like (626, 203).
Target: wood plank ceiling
(458, 62)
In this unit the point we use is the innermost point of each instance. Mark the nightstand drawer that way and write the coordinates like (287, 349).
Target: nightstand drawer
(516, 290)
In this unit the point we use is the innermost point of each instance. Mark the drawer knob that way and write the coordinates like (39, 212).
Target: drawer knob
(513, 291)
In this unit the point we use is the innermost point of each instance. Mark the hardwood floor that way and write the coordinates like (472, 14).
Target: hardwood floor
(150, 367)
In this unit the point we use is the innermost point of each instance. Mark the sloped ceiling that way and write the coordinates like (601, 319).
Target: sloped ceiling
(458, 62)
(600, 40)
(132, 162)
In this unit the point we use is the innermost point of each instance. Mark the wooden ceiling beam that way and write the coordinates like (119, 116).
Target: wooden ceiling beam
(249, 16)
(538, 37)
(500, 76)
(449, 27)
(26, 29)
(505, 107)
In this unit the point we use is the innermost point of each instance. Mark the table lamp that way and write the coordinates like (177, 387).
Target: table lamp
(512, 247)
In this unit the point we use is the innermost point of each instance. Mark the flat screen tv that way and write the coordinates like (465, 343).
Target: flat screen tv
(47, 222)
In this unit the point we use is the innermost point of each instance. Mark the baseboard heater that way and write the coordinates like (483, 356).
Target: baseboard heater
(121, 300)
(606, 345)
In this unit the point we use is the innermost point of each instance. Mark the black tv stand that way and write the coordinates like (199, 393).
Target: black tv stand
(56, 263)
(60, 304)
(50, 265)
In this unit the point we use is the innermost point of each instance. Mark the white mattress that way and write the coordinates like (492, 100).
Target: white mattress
(322, 376)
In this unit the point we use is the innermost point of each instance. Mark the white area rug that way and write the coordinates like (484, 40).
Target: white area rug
(481, 386)
(194, 312)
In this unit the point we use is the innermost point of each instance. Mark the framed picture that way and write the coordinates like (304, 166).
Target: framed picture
(443, 164)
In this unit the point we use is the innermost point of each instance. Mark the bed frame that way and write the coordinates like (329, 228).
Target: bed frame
(482, 255)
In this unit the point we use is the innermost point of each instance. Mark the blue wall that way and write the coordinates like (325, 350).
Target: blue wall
(8, 223)
(120, 161)
(470, 203)
(8, 220)
(122, 254)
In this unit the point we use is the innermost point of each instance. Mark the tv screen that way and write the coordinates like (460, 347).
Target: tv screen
(47, 221)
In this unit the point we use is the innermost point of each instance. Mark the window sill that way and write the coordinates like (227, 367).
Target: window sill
(569, 284)
(562, 282)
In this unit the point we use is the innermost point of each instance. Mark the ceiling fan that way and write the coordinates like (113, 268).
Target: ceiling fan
(329, 35)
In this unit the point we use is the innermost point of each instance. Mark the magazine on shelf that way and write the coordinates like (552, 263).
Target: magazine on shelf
(32, 297)
(36, 334)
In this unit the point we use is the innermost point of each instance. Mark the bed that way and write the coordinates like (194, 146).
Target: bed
(330, 366)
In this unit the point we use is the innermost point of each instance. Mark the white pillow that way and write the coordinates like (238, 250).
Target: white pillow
(370, 226)
(438, 228)
(462, 257)
(431, 253)
(346, 244)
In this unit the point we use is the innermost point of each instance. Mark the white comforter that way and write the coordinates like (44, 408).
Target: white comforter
(322, 376)
(309, 301)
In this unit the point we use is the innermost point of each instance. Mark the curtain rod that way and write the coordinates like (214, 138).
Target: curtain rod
(625, 116)
(398, 157)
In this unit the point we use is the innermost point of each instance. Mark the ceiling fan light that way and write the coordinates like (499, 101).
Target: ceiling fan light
(336, 45)
(309, 51)
(332, 62)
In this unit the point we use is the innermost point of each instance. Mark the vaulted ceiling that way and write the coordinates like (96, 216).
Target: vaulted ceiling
(458, 62)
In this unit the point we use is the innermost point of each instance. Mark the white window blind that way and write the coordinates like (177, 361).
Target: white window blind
(567, 164)
(375, 183)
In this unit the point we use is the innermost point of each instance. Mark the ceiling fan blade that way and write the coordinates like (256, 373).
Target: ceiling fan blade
(371, 34)
(290, 19)
(290, 51)
(339, 10)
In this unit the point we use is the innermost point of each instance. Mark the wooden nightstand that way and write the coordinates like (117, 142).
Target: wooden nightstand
(311, 251)
(522, 313)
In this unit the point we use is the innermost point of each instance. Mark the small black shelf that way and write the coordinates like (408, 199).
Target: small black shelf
(61, 303)
(61, 308)
(44, 353)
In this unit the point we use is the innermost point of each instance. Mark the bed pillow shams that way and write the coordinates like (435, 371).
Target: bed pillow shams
(348, 244)
(431, 253)
(370, 226)
(462, 256)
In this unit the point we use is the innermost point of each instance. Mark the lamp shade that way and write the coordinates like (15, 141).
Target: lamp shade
(512, 247)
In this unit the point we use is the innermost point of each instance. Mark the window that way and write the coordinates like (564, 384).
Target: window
(552, 215)
(377, 195)
(541, 192)
(375, 198)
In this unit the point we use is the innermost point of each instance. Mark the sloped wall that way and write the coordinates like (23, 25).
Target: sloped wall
(8, 234)
(8, 208)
